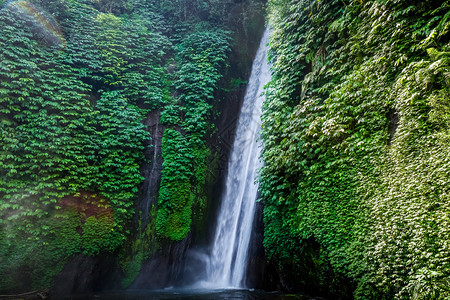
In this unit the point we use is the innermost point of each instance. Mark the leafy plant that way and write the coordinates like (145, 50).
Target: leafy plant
(350, 132)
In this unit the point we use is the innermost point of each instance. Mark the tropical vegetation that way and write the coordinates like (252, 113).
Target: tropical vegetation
(356, 147)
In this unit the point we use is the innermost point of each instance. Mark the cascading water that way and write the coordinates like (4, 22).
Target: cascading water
(228, 260)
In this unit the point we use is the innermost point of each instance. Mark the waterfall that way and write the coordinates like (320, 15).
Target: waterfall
(228, 260)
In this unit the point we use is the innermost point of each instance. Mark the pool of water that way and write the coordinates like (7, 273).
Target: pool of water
(193, 294)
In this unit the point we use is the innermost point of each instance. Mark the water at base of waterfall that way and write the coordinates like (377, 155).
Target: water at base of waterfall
(193, 294)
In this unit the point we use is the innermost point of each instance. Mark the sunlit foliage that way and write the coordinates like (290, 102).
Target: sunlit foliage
(356, 146)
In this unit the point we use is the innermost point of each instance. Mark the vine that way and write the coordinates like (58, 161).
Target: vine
(201, 56)
(350, 134)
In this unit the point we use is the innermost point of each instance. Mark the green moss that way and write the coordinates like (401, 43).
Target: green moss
(132, 269)
(71, 122)
(139, 249)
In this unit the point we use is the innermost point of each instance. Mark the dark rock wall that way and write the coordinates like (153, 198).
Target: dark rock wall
(83, 274)
(168, 266)
(256, 268)
(151, 171)
(165, 268)
(247, 23)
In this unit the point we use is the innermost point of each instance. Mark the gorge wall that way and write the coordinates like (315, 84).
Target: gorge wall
(114, 153)
(114, 149)
(356, 143)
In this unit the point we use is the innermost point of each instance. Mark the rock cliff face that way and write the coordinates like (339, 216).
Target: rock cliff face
(150, 171)
(85, 274)
(166, 266)
(257, 269)
(355, 135)
(156, 263)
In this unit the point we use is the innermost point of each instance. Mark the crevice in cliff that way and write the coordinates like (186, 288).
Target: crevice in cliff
(151, 170)
(393, 119)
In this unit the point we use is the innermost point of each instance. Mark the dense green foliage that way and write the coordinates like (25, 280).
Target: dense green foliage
(356, 131)
(200, 57)
(77, 80)
(356, 147)
(71, 127)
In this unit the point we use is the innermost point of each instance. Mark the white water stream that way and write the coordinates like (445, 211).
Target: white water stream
(228, 260)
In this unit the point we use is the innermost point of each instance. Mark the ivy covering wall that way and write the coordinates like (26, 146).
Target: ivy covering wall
(356, 147)
(201, 56)
(73, 98)
(77, 80)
